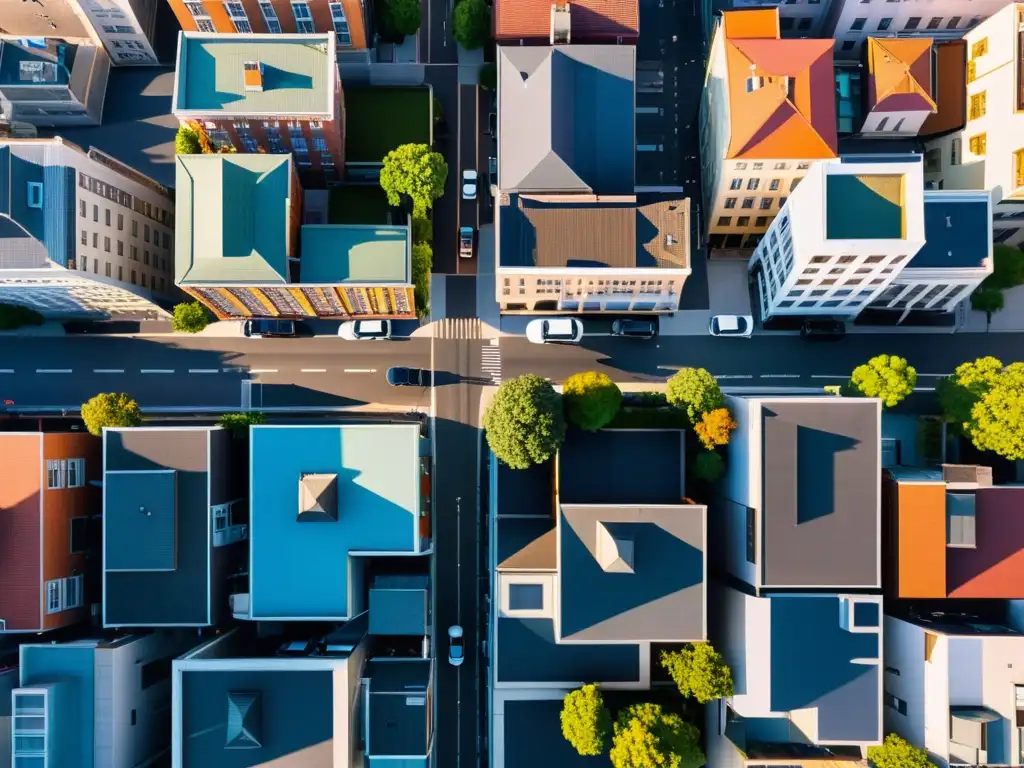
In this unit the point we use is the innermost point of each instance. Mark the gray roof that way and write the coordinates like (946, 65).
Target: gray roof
(592, 468)
(629, 574)
(399, 605)
(566, 118)
(957, 231)
(821, 483)
(141, 515)
(398, 717)
(533, 737)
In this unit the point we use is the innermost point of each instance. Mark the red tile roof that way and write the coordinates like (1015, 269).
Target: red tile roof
(590, 20)
(900, 75)
(21, 585)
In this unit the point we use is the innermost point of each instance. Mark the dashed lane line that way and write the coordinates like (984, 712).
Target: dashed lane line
(53, 370)
(108, 370)
(313, 370)
(360, 370)
(157, 370)
(204, 370)
(263, 370)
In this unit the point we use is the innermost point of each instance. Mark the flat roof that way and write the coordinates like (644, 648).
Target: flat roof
(528, 653)
(532, 736)
(298, 74)
(821, 481)
(398, 716)
(526, 491)
(344, 253)
(74, 709)
(635, 467)
(300, 569)
(399, 605)
(28, 20)
(864, 206)
(957, 231)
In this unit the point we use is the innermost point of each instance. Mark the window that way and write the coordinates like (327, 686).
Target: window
(133, 253)
(899, 124)
(748, 202)
(803, 25)
(766, 203)
(76, 473)
(106, 216)
(883, 24)
(848, 45)
(977, 106)
(762, 221)
(236, 12)
(882, 123)
(954, 152)
(895, 703)
(934, 22)
(858, 23)
(134, 279)
(980, 48)
(106, 244)
(145, 231)
(736, 184)
(743, 221)
(913, 22)
(81, 208)
(107, 269)
(55, 477)
(73, 596)
(120, 274)
(526, 597)
(95, 240)
(35, 194)
(85, 237)
(782, 201)
(340, 24)
(751, 535)
(96, 213)
(793, 183)
(303, 18)
(972, 71)
(53, 604)
(753, 184)
(786, 23)
(978, 144)
(725, 221)
(120, 249)
(775, 184)
(270, 17)
(730, 202)
(120, 222)
(1018, 170)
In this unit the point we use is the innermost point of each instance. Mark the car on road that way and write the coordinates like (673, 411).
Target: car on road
(825, 329)
(263, 327)
(365, 330)
(456, 652)
(492, 175)
(469, 184)
(555, 330)
(740, 326)
(641, 328)
(400, 376)
(466, 242)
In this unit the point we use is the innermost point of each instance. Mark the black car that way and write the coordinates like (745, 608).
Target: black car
(408, 377)
(823, 329)
(643, 328)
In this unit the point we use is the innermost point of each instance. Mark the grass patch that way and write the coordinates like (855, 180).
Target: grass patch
(379, 119)
(665, 417)
(355, 204)
(14, 316)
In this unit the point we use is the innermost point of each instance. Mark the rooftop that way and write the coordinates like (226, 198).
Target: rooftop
(781, 92)
(398, 716)
(951, 88)
(399, 605)
(649, 231)
(820, 492)
(28, 19)
(298, 74)
(34, 238)
(655, 473)
(24, 65)
(343, 253)
(533, 737)
(300, 569)
(865, 206)
(589, 19)
(900, 74)
(957, 231)
(566, 119)
(232, 221)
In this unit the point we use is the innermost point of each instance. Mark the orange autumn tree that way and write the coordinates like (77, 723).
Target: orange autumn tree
(714, 428)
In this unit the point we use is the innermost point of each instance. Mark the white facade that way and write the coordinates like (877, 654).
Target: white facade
(988, 153)
(125, 27)
(797, 18)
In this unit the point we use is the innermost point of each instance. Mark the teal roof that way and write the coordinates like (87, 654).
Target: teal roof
(345, 253)
(399, 605)
(299, 74)
(232, 219)
(864, 207)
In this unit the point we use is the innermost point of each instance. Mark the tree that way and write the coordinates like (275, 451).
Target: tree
(239, 423)
(958, 393)
(13, 316)
(645, 736)
(896, 752)
(489, 76)
(887, 377)
(205, 144)
(190, 317)
(714, 428)
(525, 424)
(414, 170)
(586, 723)
(699, 671)
(422, 230)
(997, 419)
(110, 409)
(471, 25)
(987, 300)
(422, 264)
(708, 466)
(696, 391)
(400, 17)
(1007, 267)
(591, 400)
(186, 141)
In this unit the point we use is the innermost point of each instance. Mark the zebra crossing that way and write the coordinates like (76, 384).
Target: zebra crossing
(490, 361)
(458, 328)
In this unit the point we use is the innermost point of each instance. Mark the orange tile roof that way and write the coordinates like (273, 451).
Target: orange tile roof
(900, 74)
(921, 539)
(793, 113)
(522, 19)
(951, 98)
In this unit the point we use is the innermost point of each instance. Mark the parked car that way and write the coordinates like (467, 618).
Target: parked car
(456, 652)
(469, 185)
(401, 376)
(642, 328)
(466, 242)
(259, 328)
(740, 326)
(823, 329)
(361, 330)
(555, 330)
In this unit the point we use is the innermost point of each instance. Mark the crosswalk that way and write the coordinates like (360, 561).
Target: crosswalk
(490, 362)
(458, 328)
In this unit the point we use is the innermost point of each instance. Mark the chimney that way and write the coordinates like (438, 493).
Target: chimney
(560, 27)
(615, 552)
(253, 76)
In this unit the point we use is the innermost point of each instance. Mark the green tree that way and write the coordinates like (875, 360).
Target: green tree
(471, 25)
(646, 736)
(525, 423)
(239, 423)
(591, 400)
(190, 317)
(1007, 267)
(489, 76)
(887, 377)
(186, 141)
(714, 428)
(416, 171)
(422, 230)
(110, 409)
(958, 393)
(987, 300)
(696, 391)
(896, 752)
(422, 265)
(400, 17)
(586, 723)
(997, 419)
(699, 671)
(708, 466)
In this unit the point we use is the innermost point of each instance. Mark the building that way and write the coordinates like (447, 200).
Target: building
(768, 111)
(399, 605)
(239, 234)
(901, 88)
(540, 22)
(48, 505)
(266, 93)
(52, 82)
(592, 567)
(799, 18)
(352, 495)
(174, 517)
(95, 703)
(81, 234)
(350, 20)
(986, 154)
(952, 687)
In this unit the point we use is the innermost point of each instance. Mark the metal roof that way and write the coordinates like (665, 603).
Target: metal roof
(957, 231)
(345, 253)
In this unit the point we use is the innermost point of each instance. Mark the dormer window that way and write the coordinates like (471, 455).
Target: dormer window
(754, 83)
(35, 194)
(253, 73)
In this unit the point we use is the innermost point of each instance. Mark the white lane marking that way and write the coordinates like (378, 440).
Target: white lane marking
(360, 370)
(780, 376)
(314, 370)
(263, 370)
(735, 376)
(6, 370)
(53, 370)
(204, 370)
(108, 370)
(232, 370)
(597, 334)
(813, 376)
(936, 375)
(157, 370)
(924, 389)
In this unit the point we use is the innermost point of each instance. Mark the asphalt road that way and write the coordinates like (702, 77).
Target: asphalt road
(444, 81)
(468, 159)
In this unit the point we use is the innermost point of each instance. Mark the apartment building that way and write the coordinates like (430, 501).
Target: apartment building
(768, 111)
(82, 234)
(269, 93)
(349, 20)
(542, 22)
(988, 152)
(797, 18)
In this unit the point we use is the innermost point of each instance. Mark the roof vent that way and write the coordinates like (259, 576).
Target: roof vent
(245, 711)
(253, 75)
(318, 498)
(560, 26)
(615, 551)
(670, 240)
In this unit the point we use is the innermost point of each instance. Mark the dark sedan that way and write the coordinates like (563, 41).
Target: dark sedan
(408, 377)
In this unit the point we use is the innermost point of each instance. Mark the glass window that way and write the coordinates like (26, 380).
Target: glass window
(748, 202)
(270, 17)
(53, 596)
(106, 216)
(858, 23)
(724, 221)
(55, 473)
(526, 597)
(734, 184)
(340, 24)
(766, 203)
(303, 18)
(912, 23)
(96, 213)
(81, 208)
(753, 183)
(730, 202)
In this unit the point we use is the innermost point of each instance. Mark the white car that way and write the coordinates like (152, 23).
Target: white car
(469, 185)
(555, 330)
(741, 326)
(361, 330)
(455, 649)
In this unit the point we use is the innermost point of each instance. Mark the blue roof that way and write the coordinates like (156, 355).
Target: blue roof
(957, 231)
(299, 569)
(533, 737)
(141, 516)
(52, 225)
(399, 606)
(528, 653)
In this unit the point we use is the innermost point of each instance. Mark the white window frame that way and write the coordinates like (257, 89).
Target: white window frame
(303, 21)
(544, 580)
(340, 21)
(75, 467)
(72, 586)
(270, 17)
(56, 474)
(54, 596)
(237, 17)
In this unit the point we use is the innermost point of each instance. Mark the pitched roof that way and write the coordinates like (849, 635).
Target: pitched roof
(900, 75)
(792, 114)
(520, 19)
(951, 91)
(21, 475)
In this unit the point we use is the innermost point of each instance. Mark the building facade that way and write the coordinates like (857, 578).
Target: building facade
(542, 22)
(81, 234)
(350, 20)
(797, 18)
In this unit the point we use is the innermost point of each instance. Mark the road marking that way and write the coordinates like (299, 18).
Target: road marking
(232, 370)
(157, 370)
(598, 334)
(53, 370)
(204, 370)
(780, 376)
(735, 376)
(6, 370)
(108, 370)
(360, 370)
(826, 376)
(263, 370)
(936, 375)
(314, 370)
